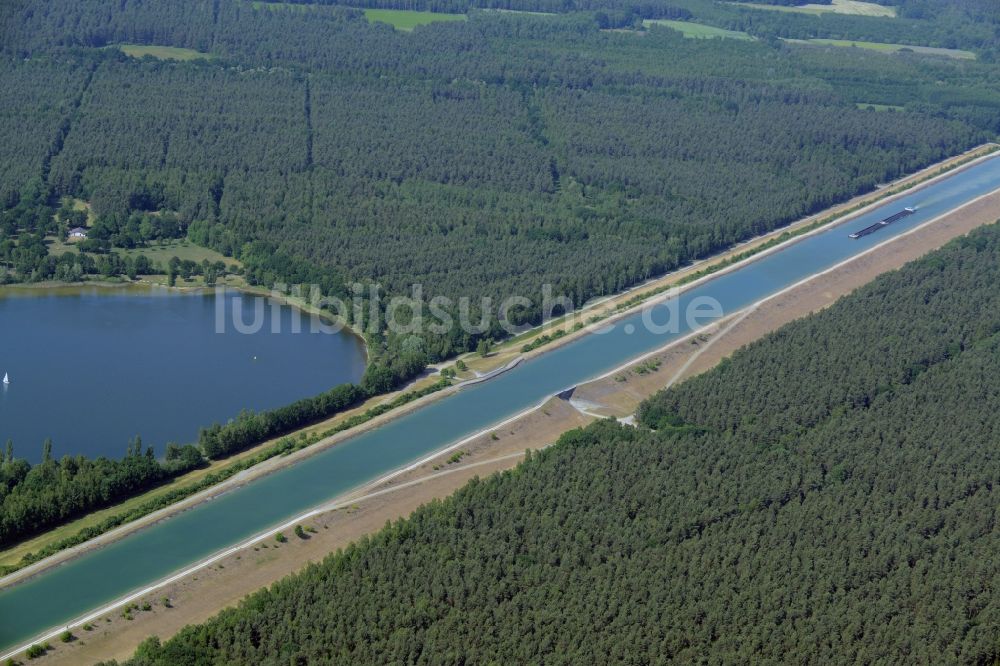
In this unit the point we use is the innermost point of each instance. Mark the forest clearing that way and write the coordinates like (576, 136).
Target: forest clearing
(847, 7)
(406, 20)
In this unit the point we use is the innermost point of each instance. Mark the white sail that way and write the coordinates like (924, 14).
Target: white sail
(6, 379)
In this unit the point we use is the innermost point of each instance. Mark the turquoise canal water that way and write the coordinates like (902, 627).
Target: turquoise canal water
(93, 367)
(69, 591)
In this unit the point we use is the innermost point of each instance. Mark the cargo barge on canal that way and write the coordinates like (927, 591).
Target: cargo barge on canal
(895, 217)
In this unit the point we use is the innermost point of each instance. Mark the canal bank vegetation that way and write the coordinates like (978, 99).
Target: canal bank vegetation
(169, 481)
(837, 479)
(34, 498)
(41, 497)
(250, 428)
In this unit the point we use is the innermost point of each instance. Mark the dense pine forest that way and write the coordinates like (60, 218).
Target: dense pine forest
(478, 158)
(825, 495)
(833, 504)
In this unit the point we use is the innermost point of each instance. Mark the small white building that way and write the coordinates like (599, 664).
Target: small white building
(77, 233)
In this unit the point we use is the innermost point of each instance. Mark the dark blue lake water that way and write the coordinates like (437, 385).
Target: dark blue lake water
(92, 368)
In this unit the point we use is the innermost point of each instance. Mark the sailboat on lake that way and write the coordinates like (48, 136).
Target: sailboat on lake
(6, 379)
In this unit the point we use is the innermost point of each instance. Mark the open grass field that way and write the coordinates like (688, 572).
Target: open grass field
(838, 7)
(403, 19)
(163, 52)
(697, 30)
(58, 246)
(888, 48)
(182, 249)
(400, 19)
(80, 204)
(878, 107)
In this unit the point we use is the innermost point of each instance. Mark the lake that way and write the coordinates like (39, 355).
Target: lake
(92, 367)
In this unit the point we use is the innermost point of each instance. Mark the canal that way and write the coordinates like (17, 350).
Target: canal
(99, 577)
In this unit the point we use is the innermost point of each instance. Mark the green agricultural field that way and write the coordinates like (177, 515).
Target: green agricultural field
(888, 48)
(837, 7)
(163, 52)
(403, 19)
(697, 30)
